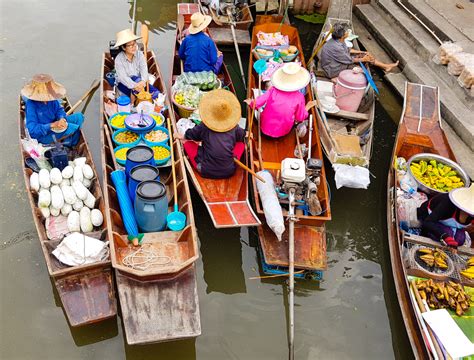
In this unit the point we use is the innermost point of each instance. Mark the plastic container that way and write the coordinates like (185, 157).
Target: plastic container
(141, 173)
(151, 206)
(159, 118)
(140, 123)
(121, 161)
(138, 155)
(110, 76)
(122, 143)
(151, 143)
(165, 160)
(350, 89)
(123, 104)
(114, 126)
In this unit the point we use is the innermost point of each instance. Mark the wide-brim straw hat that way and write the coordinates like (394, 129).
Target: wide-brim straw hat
(220, 110)
(42, 87)
(463, 198)
(125, 36)
(199, 22)
(290, 77)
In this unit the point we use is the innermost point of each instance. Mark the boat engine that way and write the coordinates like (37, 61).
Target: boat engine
(313, 179)
(231, 8)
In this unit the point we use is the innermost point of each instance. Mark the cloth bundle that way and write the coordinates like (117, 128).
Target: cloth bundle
(466, 78)
(458, 61)
(446, 51)
(78, 249)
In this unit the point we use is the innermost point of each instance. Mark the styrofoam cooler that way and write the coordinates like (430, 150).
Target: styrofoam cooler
(350, 88)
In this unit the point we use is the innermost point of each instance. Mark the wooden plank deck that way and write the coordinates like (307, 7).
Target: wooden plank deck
(223, 36)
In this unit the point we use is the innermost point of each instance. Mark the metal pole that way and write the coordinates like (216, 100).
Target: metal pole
(291, 253)
(133, 14)
(237, 50)
(310, 135)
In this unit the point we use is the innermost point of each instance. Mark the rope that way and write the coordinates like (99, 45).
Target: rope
(144, 258)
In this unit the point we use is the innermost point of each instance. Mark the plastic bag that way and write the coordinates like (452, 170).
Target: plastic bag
(466, 78)
(445, 51)
(407, 207)
(356, 177)
(270, 204)
(78, 249)
(458, 61)
(184, 125)
(36, 151)
(146, 107)
(408, 184)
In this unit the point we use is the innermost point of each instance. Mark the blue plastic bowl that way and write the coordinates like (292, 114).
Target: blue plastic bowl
(288, 58)
(157, 117)
(265, 57)
(120, 143)
(114, 115)
(120, 161)
(165, 160)
(151, 143)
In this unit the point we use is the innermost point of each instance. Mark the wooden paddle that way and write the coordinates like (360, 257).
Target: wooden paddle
(90, 92)
(180, 27)
(144, 34)
(320, 46)
(236, 44)
(250, 171)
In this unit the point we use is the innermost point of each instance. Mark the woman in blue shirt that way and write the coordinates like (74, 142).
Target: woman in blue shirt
(45, 116)
(198, 51)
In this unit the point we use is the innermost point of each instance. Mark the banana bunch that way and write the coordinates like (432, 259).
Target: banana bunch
(436, 175)
(436, 257)
(441, 295)
(469, 270)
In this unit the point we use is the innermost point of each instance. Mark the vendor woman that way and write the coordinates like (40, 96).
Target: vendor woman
(219, 133)
(130, 66)
(446, 216)
(45, 116)
(284, 103)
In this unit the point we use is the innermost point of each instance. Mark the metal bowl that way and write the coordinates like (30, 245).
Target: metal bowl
(441, 159)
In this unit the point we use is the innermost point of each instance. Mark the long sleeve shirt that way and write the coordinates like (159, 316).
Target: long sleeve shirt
(125, 68)
(40, 115)
(281, 110)
(216, 153)
(335, 56)
(198, 52)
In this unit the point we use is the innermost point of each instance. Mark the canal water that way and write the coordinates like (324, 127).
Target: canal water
(352, 314)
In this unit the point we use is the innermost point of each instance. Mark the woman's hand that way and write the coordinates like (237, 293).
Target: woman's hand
(248, 101)
(140, 86)
(178, 136)
(311, 104)
(61, 124)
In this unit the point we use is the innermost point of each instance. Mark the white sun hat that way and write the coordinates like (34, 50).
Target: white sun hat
(199, 22)
(291, 77)
(463, 198)
(125, 36)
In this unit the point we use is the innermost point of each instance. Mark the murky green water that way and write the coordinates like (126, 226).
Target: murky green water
(352, 314)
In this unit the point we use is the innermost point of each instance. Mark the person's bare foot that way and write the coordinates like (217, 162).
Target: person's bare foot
(390, 67)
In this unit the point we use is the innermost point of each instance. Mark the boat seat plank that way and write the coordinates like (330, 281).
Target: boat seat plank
(95, 289)
(223, 36)
(243, 213)
(221, 215)
(160, 310)
(351, 115)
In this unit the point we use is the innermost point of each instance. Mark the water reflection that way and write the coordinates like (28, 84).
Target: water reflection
(158, 18)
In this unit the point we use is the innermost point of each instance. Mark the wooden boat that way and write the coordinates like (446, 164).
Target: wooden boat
(310, 231)
(225, 199)
(220, 27)
(87, 291)
(346, 136)
(159, 303)
(419, 131)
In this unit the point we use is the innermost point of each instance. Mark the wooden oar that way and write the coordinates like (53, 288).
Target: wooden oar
(180, 27)
(250, 171)
(144, 34)
(291, 268)
(320, 46)
(90, 92)
(236, 44)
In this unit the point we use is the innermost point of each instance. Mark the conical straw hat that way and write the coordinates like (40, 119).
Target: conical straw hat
(290, 77)
(199, 22)
(463, 198)
(220, 110)
(125, 36)
(42, 87)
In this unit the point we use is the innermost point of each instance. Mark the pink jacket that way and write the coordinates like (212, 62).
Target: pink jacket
(281, 110)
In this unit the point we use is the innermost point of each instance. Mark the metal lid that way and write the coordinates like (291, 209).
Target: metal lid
(151, 190)
(142, 172)
(140, 154)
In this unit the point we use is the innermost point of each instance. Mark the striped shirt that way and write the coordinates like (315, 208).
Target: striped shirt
(125, 68)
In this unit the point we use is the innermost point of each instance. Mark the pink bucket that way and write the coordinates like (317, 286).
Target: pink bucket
(350, 89)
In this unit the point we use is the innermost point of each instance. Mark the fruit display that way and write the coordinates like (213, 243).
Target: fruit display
(121, 154)
(263, 52)
(290, 51)
(436, 175)
(118, 121)
(126, 137)
(160, 153)
(468, 271)
(188, 96)
(441, 295)
(156, 136)
(158, 118)
(204, 80)
(433, 257)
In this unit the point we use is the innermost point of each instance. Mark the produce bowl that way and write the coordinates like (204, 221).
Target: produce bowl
(114, 123)
(260, 56)
(153, 143)
(121, 154)
(163, 160)
(159, 118)
(183, 111)
(289, 57)
(119, 133)
(133, 122)
(217, 85)
(439, 159)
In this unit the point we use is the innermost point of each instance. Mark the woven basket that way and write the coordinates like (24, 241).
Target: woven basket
(183, 111)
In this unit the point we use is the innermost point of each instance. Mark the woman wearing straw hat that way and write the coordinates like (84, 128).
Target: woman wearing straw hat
(45, 116)
(198, 51)
(284, 103)
(130, 65)
(220, 136)
(445, 217)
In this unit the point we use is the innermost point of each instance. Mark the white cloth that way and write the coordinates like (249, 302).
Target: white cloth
(78, 249)
(125, 68)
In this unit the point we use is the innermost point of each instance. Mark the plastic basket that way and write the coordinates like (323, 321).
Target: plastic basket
(165, 160)
(120, 161)
(121, 143)
(288, 58)
(151, 143)
(117, 114)
(183, 111)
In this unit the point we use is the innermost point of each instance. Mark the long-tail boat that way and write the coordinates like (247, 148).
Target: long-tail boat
(419, 131)
(159, 303)
(346, 136)
(310, 231)
(226, 199)
(86, 291)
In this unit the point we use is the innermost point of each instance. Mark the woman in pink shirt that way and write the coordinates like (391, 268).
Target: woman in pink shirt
(284, 103)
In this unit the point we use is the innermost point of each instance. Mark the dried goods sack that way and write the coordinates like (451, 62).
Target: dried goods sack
(445, 51)
(458, 61)
(466, 78)
(78, 249)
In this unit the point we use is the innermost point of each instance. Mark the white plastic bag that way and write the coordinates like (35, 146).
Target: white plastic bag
(407, 207)
(408, 184)
(78, 249)
(356, 177)
(445, 51)
(36, 151)
(184, 125)
(458, 61)
(270, 204)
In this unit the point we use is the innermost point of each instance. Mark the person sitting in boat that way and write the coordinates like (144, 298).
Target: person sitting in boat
(130, 66)
(45, 117)
(198, 51)
(446, 216)
(335, 55)
(284, 102)
(219, 133)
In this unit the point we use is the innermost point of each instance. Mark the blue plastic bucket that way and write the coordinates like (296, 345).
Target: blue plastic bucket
(141, 173)
(123, 103)
(151, 206)
(138, 155)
